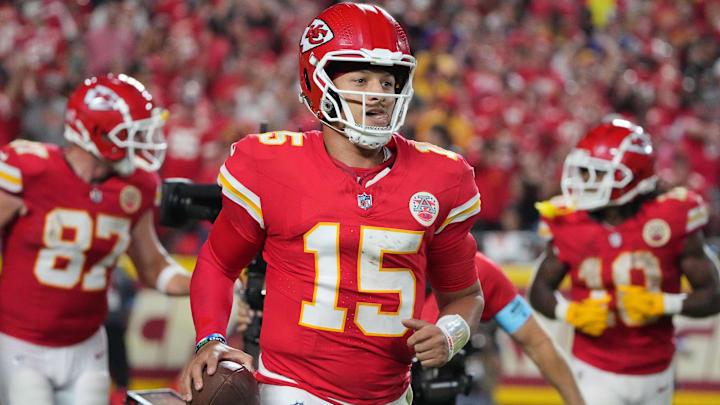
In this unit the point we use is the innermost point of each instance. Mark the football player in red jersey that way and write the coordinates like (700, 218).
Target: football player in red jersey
(625, 245)
(67, 214)
(514, 315)
(352, 221)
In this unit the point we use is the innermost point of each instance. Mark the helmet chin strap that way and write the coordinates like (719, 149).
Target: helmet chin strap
(358, 138)
(125, 166)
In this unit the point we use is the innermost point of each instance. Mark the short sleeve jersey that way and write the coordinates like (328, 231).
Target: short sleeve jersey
(643, 250)
(497, 289)
(57, 258)
(347, 261)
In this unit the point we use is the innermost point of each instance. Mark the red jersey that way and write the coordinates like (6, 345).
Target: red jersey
(348, 256)
(643, 250)
(57, 257)
(498, 290)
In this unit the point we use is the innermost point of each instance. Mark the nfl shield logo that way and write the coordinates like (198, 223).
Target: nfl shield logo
(364, 201)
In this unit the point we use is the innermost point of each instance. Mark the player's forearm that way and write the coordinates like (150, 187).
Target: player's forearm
(702, 302)
(178, 283)
(702, 269)
(211, 294)
(469, 305)
(10, 207)
(554, 368)
(542, 298)
(550, 273)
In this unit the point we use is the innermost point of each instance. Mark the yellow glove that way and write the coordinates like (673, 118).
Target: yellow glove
(590, 315)
(557, 206)
(640, 304)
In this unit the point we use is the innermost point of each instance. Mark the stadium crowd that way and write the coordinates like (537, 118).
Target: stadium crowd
(510, 84)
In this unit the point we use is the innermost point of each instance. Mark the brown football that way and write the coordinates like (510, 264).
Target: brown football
(232, 384)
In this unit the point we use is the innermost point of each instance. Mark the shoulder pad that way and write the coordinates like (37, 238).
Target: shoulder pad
(275, 139)
(675, 193)
(21, 159)
(687, 203)
(425, 147)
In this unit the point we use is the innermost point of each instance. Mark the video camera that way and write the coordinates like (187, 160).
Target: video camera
(184, 201)
(440, 386)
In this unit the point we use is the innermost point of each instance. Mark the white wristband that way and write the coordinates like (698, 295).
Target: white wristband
(561, 307)
(166, 274)
(456, 331)
(673, 303)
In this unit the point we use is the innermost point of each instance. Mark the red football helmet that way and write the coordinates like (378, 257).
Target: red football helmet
(349, 32)
(611, 165)
(114, 117)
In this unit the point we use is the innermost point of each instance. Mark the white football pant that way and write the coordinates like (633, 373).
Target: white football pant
(284, 395)
(600, 387)
(31, 374)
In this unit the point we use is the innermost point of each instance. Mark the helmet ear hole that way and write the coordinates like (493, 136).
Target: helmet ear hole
(307, 79)
(327, 105)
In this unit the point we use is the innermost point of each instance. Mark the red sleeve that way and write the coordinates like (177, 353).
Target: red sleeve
(452, 250)
(451, 268)
(497, 288)
(21, 160)
(219, 264)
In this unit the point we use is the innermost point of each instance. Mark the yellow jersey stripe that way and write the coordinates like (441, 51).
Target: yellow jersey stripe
(10, 178)
(462, 212)
(697, 217)
(241, 195)
(473, 209)
(544, 230)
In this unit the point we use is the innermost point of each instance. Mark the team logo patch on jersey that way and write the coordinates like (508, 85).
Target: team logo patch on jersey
(424, 208)
(364, 201)
(130, 199)
(316, 34)
(656, 232)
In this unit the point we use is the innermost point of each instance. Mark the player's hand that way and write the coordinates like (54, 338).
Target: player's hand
(429, 342)
(209, 355)
(590, 315)
(639, 303)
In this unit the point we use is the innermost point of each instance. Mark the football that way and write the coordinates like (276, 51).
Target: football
(232, 384)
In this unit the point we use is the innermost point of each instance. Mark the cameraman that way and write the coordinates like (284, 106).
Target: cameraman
(513, 314)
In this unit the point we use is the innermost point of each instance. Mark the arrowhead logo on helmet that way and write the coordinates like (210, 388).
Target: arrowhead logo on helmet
(316, 34)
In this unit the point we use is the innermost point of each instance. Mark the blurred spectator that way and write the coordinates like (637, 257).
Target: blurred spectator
(510, 84)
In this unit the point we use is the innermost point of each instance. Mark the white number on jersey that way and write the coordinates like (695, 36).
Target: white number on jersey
(590, 271)
(67, 235)
(323, 312)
